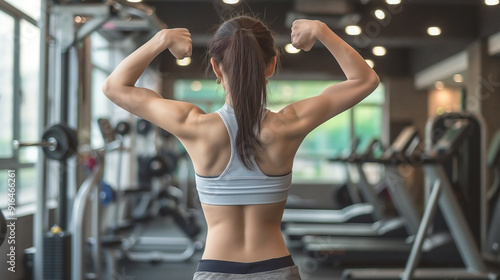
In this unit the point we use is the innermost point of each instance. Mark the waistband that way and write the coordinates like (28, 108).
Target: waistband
(244, 268)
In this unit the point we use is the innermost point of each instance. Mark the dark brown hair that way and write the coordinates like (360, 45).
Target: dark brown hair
(244, 47)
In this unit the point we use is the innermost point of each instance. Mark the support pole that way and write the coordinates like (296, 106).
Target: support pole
(40, 217)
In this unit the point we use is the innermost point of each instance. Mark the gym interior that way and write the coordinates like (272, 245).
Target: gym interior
(405, 185)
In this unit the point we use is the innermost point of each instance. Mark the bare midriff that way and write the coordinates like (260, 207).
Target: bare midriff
(244, 233)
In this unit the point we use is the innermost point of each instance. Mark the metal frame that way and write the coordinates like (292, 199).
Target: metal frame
(41, 215)
(66, 34)
(15, 12)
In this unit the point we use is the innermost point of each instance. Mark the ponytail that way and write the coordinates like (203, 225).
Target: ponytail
(244, 48)
(247, 85)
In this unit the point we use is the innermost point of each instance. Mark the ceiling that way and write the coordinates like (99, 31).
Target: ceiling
(403, 31)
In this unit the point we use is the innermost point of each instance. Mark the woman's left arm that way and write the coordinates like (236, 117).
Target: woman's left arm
(174, 116)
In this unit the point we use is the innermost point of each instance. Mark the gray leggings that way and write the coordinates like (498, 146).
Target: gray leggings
(286, 273)
(274, 269)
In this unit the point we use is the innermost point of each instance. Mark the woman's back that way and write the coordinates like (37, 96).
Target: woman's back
(244, 233)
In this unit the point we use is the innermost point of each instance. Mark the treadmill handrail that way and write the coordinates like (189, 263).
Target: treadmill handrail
(404, 141)
(452, 138)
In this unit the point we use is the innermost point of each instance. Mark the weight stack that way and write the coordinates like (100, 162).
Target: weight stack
(57, 256)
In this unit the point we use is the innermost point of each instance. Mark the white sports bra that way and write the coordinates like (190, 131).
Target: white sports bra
(238, 185)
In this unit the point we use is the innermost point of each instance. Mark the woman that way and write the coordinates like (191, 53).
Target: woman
(242, 154)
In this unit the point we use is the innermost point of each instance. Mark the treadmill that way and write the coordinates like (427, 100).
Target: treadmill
(314, 234)
(355, 213)
(455, 145)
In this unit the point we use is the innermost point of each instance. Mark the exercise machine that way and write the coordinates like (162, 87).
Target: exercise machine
(346, 194)
(358, 212)
(402, 226)
(455, 139)
(166, 198)
(386, 241)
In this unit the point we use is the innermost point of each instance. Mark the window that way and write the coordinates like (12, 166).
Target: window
(19, 93)
(328, 140)
(6, 84)
(29, 89)
(31, 8)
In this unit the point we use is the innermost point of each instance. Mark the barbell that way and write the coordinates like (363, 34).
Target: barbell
(59, 142)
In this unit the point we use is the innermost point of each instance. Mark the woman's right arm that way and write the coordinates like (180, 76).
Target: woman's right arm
(361, 79)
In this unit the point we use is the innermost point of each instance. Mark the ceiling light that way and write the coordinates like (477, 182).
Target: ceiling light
(289, 48)
(379, 14)
(379, 51)
(232, 2)
(134, 1)
(439, 85)
(184, 62)
(370, 63)
(434, 31)
(353, 30)
(491, 2)
(393, 2)
(458, 78)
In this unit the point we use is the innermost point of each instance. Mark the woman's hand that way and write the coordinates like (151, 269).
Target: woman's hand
(177, 40)
(305, 33)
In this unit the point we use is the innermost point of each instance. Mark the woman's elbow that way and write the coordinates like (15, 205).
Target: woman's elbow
(108, 89)
(369, 83)
(373, 80)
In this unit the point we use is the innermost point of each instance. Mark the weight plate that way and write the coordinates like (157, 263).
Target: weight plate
(107, 194)
(73, 143)
(157, 166)
(65, 142)
(143, 127)
(122, 128)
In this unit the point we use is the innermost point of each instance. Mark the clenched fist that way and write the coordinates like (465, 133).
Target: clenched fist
(305, 33)
(177, 40)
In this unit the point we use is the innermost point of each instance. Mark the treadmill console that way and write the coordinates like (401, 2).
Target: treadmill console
(451, 138)
(402, 142)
